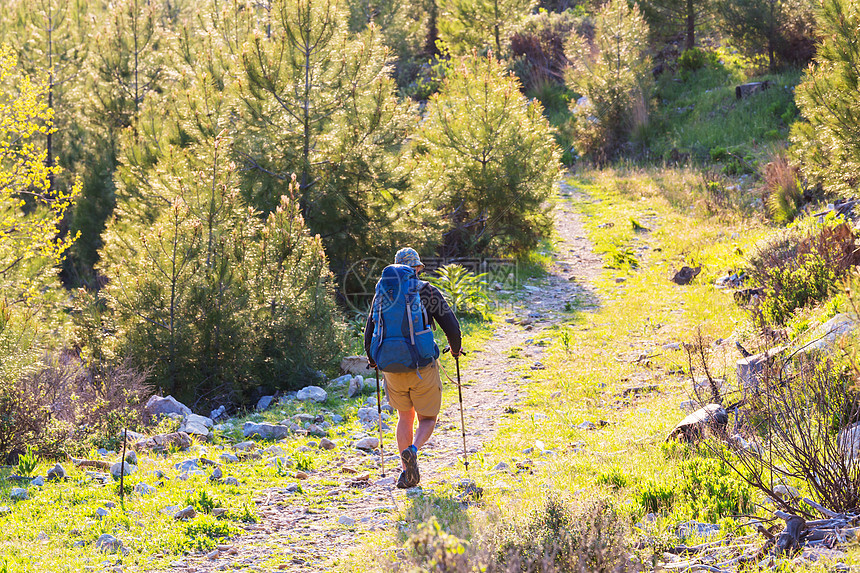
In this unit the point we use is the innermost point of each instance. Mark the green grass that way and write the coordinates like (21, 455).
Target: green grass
(698, 117)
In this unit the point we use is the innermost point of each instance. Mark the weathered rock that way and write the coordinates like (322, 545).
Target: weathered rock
(587, 425)
(131, 457)
(102, 513)
(187, 465)
(37, 481)
(317, 431)
(848, 441)
(697, 529)
(244, 446)
(828, 336)
(231, 481)
(367, 443)
(129, 435)
(751, 368)
(346, 520)
(217, 474)
(368, 414)
(356, 387)
(164, 442)
(314, 393)
(218, 413)
(356, 365)
(686, 275)
(340, 380)
(158, 406)
(110, 544)
(144, 489)
(301, 475)
(229, 458)
(196, 425)
(265, 431)
(326, 444)
(18, 494)
(122, 468)
(264, 402)
(500, 467)
(691, 427)
(185, 514)
(56, 473)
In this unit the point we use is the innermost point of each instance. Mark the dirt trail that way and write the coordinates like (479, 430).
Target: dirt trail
(310, 538)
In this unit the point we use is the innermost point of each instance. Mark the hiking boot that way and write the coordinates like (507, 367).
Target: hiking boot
(409, 477)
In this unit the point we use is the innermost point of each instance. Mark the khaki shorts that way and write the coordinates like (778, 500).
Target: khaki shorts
(406, 390)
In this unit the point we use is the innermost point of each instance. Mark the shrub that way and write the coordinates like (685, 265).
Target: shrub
(694, 59)
(789, 427)
(801, 265)
(561, 537)
(487, 157)
(783, 188)
(613, 74)
(537, 47)
(464, 291)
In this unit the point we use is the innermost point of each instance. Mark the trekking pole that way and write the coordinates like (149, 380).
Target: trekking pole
(379, 416)
(462, 416)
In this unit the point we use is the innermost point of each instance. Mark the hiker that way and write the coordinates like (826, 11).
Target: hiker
(403, 345)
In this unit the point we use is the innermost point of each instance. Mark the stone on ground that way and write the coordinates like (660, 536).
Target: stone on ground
(264, 402)
(158, 406)
(367, 443)
(356, 365)
(265, 431)
(164, 442)
(122, 468)
(56, 473)
(314, 393)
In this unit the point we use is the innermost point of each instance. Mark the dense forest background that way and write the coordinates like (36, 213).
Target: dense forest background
(185, 184)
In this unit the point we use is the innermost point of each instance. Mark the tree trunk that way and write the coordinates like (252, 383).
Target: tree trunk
(691, 25)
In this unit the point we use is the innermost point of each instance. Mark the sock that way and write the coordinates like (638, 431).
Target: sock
(413, 448)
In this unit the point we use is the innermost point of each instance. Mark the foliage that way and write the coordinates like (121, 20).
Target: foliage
(704, 489)
(30, 211)
(202, 502)
(800, 266)
(27, 463)
(477, 25)
(667, 19)
(694, 59)
(487, 159)
(783, 187)
(212, 297)
(464, 291)
(827, 141)
(781, 30)
(613, 74)
(537, 48)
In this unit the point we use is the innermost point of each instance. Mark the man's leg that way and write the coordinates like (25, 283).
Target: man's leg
(426, 425)
(405, 418)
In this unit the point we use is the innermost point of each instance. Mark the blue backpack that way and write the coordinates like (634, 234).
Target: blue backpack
(402, 340)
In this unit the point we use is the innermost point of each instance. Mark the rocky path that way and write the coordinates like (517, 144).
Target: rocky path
(309, 532)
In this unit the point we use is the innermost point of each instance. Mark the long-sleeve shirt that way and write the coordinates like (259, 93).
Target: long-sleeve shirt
(437, 310)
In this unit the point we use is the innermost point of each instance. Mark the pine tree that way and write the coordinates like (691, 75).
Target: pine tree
(207, 296)
(753, 24)
(487, 158)
(466, 25)
(827, 141)
(612, 72)
(320, 103)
